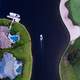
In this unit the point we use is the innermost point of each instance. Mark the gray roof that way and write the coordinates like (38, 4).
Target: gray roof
(8, 66)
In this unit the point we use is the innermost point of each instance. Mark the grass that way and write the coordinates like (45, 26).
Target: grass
(71, 71)
(67, 70)
(74, 10)
(21, 50)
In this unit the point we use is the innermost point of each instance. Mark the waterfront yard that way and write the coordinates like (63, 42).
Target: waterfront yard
(70, 64)
(21, 50)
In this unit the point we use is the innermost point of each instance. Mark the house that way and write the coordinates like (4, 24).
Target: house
(4, 29)
(4, 41)
(9, 66)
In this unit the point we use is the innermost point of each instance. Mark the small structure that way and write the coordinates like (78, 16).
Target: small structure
(9, 66)
(15, 18)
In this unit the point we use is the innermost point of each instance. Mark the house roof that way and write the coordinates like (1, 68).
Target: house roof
(4, 29)
(4, 41)
(10, 66)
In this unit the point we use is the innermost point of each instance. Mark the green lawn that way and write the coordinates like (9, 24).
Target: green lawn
(67, 71)
(69, 68)
(74, 10)
(22, 49)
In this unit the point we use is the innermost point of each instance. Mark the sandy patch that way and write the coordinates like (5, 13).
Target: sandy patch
(74, 30)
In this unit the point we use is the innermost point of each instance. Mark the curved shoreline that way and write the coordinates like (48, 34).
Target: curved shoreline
(74, 30)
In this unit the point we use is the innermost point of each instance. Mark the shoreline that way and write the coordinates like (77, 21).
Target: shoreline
(74, 30)
(23, 31)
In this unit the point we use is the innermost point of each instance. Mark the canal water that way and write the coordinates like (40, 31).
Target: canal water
(41, 17)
